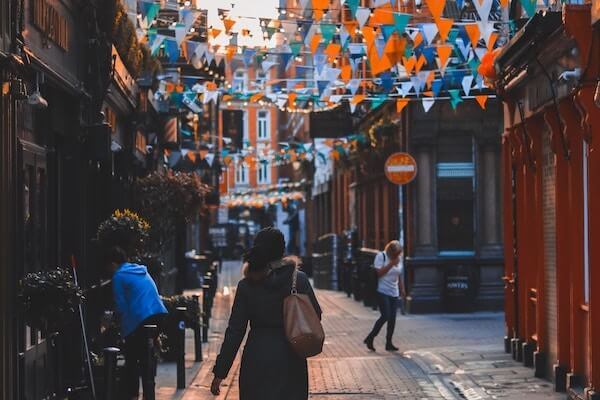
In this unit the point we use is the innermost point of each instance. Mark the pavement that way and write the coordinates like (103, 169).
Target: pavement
(442, 356)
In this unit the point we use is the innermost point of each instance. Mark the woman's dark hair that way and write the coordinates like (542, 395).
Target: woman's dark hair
(115, 254)
(269, 245)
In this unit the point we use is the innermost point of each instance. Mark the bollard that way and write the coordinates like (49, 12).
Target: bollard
(197, 334)
(110, 373)
(181, 347)
(205, 318)
(149, 372)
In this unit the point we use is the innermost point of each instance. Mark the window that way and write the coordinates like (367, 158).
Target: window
(240, 81)
(455, 196)
(263, 125)
(264, 172)
(241, 174)
(262, 78)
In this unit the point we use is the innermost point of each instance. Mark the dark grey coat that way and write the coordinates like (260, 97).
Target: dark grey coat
(270, 369)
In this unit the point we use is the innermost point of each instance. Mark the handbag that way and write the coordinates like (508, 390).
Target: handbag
(302, 325)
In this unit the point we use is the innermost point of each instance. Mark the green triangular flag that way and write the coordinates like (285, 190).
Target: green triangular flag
(474, 64)
(452, 35)
(455, 98)
(401, 20)
(327, 30)
(353, 6)
(378, 101)
(529, 7)
(296, 47)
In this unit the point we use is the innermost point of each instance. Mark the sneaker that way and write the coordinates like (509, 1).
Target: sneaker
(390, 347)
(369, 342)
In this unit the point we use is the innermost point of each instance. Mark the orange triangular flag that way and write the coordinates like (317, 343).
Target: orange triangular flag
(378, 65)
(430, 79)
(227, 97)
(230, 52)
(314, 42)
(382, 16)
(444, 53)
(319, 7)
(357, 98)
(444, 26)
(409, 64)
(503, 3)
(369, 35)
(256, 97)
(346, 73)
(351, 27)
(481, 99)
(229, 23)
(332, 51)
(473, 32)
(400, 104)
(436, 8)
(417, 40)
(214, 32)
(420, 62)
(492, 41)
(292, 100)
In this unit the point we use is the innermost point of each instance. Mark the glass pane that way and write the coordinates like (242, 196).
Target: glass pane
(455, 214)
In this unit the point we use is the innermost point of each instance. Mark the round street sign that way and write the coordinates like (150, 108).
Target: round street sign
(400, 168)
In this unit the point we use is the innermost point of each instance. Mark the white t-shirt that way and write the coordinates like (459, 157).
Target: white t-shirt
(388, 284)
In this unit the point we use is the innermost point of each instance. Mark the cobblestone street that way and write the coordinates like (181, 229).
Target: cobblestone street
(456, 356)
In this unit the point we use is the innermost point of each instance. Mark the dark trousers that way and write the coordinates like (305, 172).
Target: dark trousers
(138, 364)
(388, 306)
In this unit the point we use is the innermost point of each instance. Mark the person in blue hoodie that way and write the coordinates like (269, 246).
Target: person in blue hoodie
(137, 303)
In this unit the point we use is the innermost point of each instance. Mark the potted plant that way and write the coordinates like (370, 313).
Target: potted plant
(125, 229)
(49, 298)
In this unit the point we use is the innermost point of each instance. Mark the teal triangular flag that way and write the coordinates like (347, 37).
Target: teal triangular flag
(474, 64)
(387, 30)
(452, 35)
(378, 101)
(401, 20)
(529, 7)
(353, 6)
(455, 98)
(296, 47)
(328, 30)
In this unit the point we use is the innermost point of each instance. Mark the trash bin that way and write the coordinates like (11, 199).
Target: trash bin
(459, 290)
(195, 264)
(321, 271)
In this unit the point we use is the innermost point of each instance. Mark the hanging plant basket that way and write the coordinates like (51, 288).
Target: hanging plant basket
(49, 298)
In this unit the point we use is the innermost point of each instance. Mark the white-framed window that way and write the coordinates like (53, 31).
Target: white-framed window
(241, 174)
(263, 125)
(240, 80)
(263, 172)
(262, 79)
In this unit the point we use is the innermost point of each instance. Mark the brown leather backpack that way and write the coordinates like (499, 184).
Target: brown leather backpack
(302, 325)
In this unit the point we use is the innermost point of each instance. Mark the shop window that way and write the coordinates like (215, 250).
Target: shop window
(455, 196)
(263, 125)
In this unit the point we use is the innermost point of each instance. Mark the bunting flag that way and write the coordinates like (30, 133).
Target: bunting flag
(353, 85)
(483, 8)
(436, 8)
(292, 100)
(482, 100)
(429, 30)
(444, 53)
(427, 103)
(400, 104)
(444, 26)
(455, 98)
(319, 7)
(346, 73)
(467, 83)
(314, 43)
(362, 15)
(406, 87)
(353, 6)
(473, 32)
(327, 32)
(400, 21)
(228, 23)
(332, 51)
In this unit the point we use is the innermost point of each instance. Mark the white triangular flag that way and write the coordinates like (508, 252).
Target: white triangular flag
(483, 8)
(485, 30)
(430, 30)
(266, 65)
(336, 98)
(406, 86)
(281, 102)
(362, 15)
(353, 107)
(467, 83)
(428, 101)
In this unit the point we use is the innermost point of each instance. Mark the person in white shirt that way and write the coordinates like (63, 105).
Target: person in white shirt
(390, 286)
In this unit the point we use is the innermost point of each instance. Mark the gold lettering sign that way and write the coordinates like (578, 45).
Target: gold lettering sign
(53, 25)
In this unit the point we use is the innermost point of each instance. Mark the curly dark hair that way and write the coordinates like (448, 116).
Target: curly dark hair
(269, 245)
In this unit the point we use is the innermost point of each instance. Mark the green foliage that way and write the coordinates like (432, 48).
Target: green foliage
(49, 298)
(135, 55)
(125, 229)
(167, 199)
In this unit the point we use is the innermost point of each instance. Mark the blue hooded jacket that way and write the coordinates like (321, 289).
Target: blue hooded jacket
(136, 296)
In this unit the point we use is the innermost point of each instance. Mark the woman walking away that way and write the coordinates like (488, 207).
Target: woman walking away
(270, 369)
(138, 303)
(389, 267)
